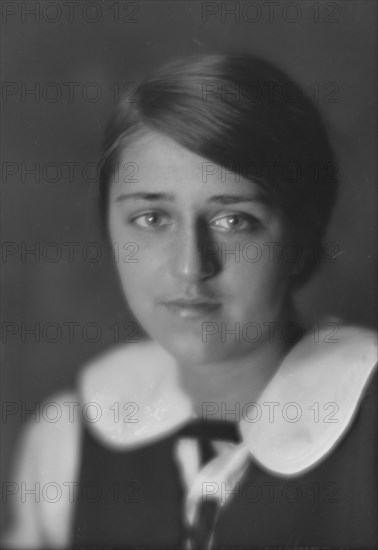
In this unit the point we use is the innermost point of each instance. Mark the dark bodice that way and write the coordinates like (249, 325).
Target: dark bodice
(137, 496)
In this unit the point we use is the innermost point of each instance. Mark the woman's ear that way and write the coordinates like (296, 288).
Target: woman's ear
(297, 268)
(304, 265)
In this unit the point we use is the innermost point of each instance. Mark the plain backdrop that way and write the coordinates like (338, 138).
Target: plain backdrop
(326, 46)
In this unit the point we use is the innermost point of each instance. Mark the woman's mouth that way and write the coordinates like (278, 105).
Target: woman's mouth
(191, 308)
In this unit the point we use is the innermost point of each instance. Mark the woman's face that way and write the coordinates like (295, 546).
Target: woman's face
(201, 260)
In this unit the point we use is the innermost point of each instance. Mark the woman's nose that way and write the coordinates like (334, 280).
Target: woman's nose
(194, 258)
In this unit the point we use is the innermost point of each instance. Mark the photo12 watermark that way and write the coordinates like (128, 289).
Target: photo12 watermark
(269, 331)
(53, 412)
(28, 12)
(67, 172)
(272, 12)
(25, 492)
(52, 252)
(271, 411)
(272, 492)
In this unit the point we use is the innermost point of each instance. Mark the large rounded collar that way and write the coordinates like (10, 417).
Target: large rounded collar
(312, 400)
(132, 397)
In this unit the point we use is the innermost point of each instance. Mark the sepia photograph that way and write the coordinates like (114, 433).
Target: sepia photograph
(189, 267)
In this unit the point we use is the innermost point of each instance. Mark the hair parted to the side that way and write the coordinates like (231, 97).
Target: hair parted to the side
(243, 114)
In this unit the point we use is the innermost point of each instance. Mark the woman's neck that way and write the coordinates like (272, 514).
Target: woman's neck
(219, 388)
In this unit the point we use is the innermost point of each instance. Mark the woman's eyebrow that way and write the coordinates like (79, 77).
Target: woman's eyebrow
(145, 196)
(231, 199)
(220, 199)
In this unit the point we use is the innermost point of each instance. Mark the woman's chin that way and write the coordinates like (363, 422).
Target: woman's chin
(188, 352)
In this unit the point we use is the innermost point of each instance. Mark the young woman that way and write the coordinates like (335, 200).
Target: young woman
(231, 426)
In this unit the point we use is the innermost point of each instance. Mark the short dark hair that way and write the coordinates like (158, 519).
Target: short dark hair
(243, 114)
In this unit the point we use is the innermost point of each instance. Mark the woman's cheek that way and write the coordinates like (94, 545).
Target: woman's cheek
(259, 287)
(141, 280)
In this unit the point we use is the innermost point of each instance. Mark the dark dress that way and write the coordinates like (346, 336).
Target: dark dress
(134, 499)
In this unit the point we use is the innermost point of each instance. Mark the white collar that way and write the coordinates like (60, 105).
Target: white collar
(319, 384)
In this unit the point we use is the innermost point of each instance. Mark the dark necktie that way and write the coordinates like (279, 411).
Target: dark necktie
(199, 536)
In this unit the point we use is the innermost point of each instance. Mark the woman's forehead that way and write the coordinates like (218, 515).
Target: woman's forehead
(157, 162)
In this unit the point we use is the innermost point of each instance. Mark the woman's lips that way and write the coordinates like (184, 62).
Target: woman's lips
(191, 309)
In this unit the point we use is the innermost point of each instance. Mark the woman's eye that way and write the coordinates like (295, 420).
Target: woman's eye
(151, 220)
(235, 222)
